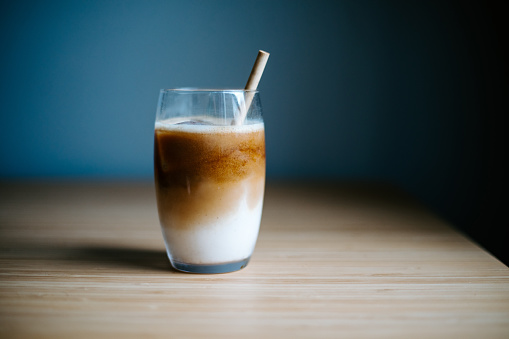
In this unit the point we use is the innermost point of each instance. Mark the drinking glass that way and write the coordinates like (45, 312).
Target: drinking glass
(209, 167)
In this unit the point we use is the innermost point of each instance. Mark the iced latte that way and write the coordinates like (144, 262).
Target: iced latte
(209, 185)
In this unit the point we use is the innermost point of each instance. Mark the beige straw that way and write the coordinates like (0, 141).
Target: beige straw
(252, 83)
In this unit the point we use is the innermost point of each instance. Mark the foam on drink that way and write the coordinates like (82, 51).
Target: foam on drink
(209, 184)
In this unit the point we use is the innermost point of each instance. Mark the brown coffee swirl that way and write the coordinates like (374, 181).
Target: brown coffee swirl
(203, 172)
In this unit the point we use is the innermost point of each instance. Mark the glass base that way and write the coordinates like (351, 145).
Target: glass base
(210, 269)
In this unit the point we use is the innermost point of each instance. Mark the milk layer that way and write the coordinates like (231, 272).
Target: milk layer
(225, 238)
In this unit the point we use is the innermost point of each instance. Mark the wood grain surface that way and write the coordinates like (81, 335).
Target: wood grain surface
(87, 260)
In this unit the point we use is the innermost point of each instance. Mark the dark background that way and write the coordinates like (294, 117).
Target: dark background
(414, 93)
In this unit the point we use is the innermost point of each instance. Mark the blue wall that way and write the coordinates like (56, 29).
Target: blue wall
(353, 89)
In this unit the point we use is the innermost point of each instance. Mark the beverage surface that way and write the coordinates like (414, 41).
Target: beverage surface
(205, 172)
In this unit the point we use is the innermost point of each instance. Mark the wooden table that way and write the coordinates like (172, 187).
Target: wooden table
(82, 260)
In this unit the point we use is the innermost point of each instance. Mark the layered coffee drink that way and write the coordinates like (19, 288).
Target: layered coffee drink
(209, 184)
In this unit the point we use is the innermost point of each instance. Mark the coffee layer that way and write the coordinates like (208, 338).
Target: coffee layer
(204, 172)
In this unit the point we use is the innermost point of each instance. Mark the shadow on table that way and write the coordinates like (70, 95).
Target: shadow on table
(122, 257)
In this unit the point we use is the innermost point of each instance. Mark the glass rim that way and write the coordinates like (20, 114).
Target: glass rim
(209, 90)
